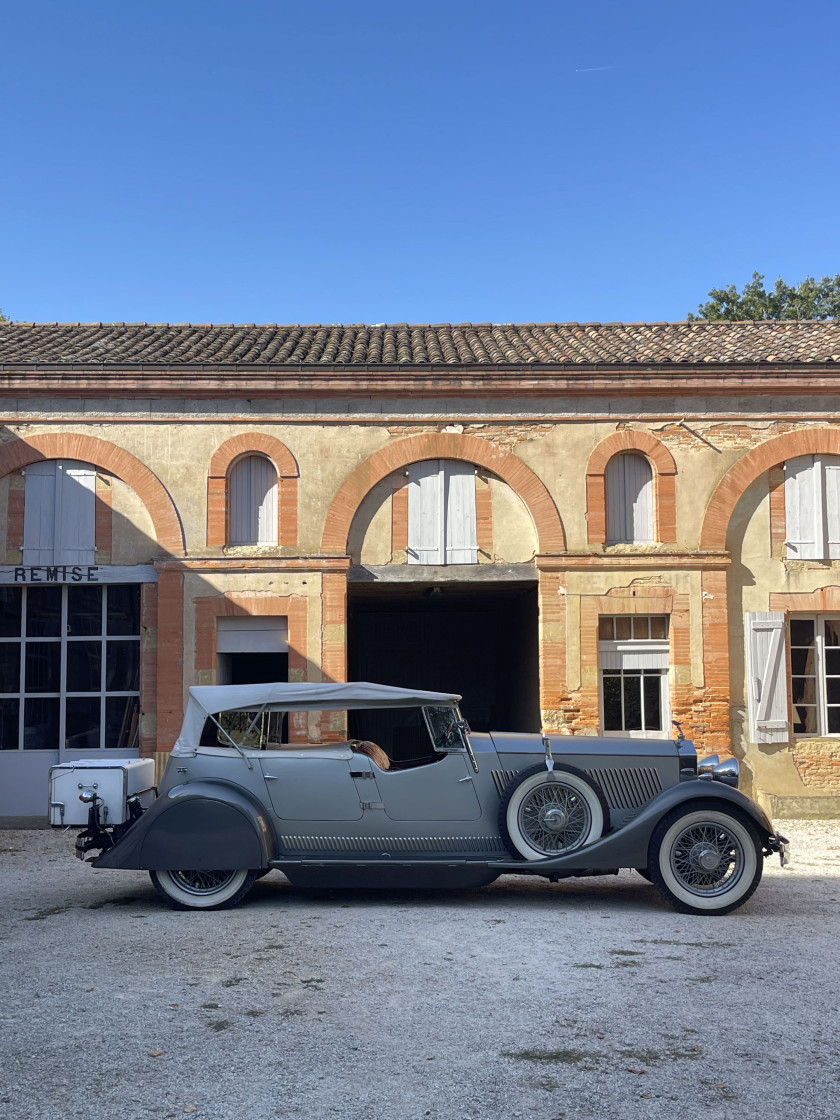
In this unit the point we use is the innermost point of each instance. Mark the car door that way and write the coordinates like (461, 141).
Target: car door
(304, 786)
(438, 791)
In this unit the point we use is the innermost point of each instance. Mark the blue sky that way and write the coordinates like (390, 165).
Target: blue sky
(387, 160)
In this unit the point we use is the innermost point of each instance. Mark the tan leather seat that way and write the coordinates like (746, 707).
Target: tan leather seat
(374, 753)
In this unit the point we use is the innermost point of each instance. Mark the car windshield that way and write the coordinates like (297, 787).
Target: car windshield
(443, 725)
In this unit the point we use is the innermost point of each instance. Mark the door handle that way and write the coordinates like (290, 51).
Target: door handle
(466, 778)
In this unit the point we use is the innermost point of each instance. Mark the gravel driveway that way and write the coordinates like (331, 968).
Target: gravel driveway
(588, 998)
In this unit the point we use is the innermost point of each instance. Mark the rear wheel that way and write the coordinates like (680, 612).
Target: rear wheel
(203, 890)
(704, 859)
(550, 813)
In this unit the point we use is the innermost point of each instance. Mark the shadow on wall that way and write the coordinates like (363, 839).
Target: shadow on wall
(137, 527)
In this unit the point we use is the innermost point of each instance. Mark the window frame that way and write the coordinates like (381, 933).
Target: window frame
(65, 641)
(623, 517)
(651, 649)
(255, 513)
(821, 676)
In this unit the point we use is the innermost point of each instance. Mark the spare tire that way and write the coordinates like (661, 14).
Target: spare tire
(546, 813)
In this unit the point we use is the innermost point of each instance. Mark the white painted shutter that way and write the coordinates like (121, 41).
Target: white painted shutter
(831, 497)
(253, 501)
(59, 513)
(767, 689)
(803, 526)
(629, 486)
(461, 540)
(75, 513)
(39, 513)
(425, 513)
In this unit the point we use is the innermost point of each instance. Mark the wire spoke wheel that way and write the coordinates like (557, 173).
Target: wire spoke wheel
(203, 890)
(705, 858)
(554, 818)
(548, 813)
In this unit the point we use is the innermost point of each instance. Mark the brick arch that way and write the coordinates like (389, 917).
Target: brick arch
(808, 441)
(71, 445)
(664, 483)
(444, 445)
(224, 457)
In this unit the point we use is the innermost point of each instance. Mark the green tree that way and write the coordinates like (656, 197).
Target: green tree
(3, 318)
(810, 299)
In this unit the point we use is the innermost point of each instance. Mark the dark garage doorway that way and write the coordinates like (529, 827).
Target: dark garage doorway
(252, 668)
(480, 642)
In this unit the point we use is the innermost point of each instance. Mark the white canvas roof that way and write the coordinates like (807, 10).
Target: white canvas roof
(205, 700)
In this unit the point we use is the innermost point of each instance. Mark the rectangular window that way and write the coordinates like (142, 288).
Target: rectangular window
(633, 654)
(69, 667)
(815, 675)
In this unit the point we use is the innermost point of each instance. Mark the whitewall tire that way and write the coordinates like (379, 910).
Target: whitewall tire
(705, 859)
(203, 890)
(550, 813)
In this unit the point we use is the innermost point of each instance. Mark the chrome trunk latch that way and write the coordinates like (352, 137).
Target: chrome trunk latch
(549, 757)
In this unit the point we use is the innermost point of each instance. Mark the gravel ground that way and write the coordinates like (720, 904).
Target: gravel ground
(588, 998)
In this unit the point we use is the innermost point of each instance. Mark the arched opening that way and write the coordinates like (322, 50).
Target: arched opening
(442, 594)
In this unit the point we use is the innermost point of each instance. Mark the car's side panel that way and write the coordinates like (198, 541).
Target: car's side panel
(628, 846)
(312, 788)
(441, 791)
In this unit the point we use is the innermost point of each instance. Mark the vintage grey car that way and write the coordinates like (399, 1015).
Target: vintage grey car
(409, 797)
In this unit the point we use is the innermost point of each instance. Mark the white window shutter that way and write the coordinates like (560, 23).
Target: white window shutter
(253, 501)
(425, 513)
(831, 497)
(767, 688)
(803, 523)
(638, 485)
(629, 485)
(39, 513)
(264, 498)
(75, 513)
(461, 540)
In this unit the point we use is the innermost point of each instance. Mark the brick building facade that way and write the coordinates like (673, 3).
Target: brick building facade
(588, 528)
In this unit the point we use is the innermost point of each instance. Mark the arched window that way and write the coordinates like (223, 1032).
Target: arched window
(253, 501)
(59, 513)
(441, 513)
(812, 507)
(629, 485)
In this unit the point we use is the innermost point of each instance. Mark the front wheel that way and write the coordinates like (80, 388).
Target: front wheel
(704, 859)
(203, 890)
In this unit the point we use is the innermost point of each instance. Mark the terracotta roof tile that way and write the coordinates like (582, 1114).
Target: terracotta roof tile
(422, 344)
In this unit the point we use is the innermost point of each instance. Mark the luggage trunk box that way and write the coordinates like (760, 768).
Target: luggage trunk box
(114, 780)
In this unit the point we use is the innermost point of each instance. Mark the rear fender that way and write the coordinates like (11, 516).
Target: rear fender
(197, 826)
(628, 846)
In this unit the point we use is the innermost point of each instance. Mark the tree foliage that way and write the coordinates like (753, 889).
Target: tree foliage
(810, 299)
(3, 318)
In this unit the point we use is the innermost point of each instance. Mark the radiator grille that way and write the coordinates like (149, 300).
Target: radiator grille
(629, 788)
(447, 844)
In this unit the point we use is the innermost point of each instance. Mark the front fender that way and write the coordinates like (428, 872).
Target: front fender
(204, 825)
(628, 846)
